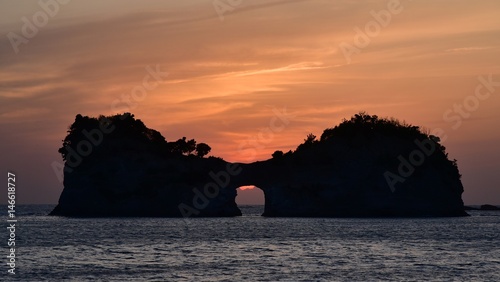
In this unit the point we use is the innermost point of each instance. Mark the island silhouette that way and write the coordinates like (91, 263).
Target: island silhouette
(365, 166)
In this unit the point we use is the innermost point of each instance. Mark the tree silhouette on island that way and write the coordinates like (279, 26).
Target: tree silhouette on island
(364, 167)
(124, 127)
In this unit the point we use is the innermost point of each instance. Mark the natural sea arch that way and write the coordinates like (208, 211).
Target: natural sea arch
(250, 195)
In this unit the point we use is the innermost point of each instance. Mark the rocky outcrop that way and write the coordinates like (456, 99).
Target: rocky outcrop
(366, 167)
(363, 167)
(489, 208)
(143, 185)
(485, 207)
(133, 171)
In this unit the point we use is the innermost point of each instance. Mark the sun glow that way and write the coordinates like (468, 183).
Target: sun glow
(249, 187)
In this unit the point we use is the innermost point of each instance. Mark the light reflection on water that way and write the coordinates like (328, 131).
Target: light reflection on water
(256, 248)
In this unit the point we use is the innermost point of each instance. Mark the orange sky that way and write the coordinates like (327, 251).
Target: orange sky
(226, 78)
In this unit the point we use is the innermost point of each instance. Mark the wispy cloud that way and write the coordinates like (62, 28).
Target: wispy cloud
(293, 67)
(467, 49)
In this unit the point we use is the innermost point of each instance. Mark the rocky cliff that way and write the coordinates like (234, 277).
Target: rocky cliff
(366, 166)
(116, 166)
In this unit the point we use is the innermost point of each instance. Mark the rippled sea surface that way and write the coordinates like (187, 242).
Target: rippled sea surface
(254, 248)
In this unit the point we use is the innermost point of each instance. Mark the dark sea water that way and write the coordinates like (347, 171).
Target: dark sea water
(254, 248)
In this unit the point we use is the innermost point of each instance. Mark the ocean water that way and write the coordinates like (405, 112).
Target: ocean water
(254, 248)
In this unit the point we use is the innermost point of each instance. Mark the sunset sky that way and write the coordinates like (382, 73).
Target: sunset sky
(233, 65)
